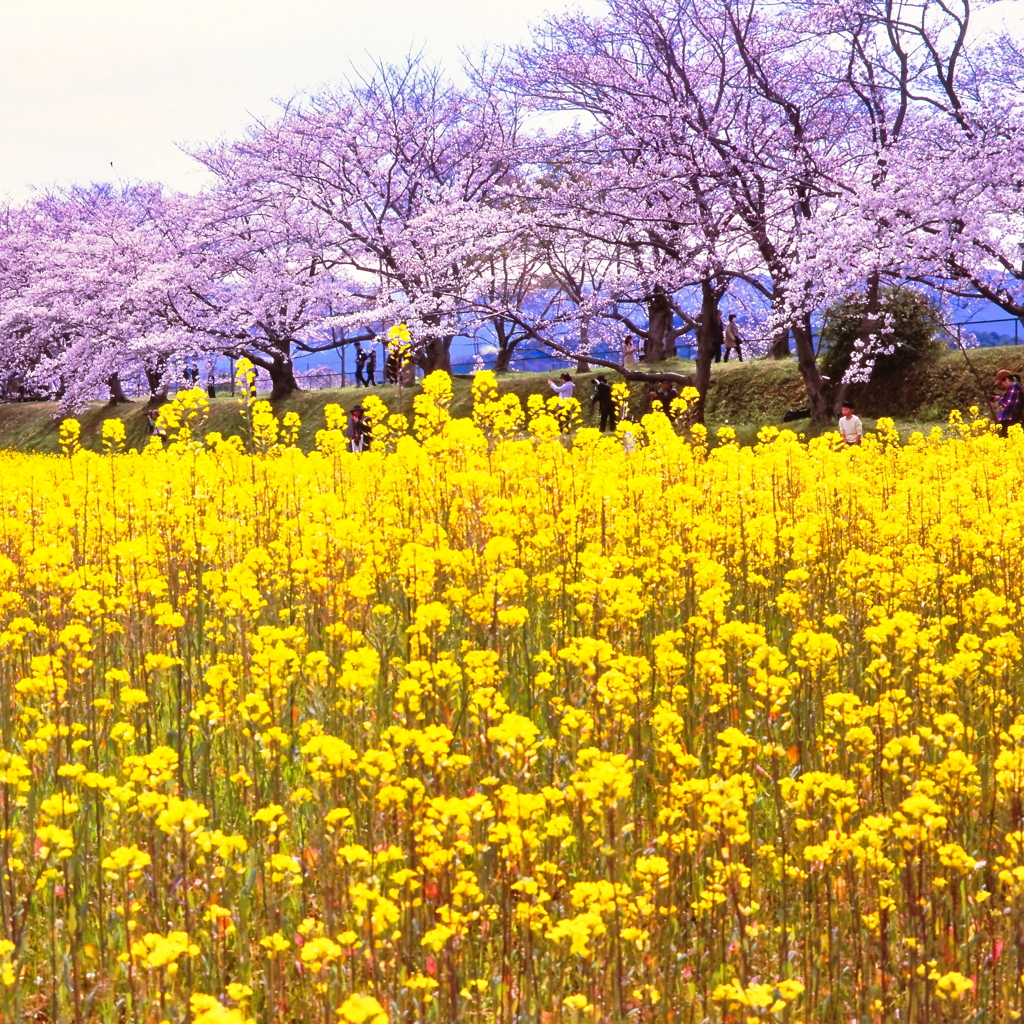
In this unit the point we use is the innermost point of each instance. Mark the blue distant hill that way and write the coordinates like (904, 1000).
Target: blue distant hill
(990, 339)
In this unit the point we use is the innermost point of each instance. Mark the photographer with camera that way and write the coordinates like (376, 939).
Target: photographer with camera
(1009, 406)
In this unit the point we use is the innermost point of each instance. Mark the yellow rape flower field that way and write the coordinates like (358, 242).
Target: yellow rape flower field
(504, 721)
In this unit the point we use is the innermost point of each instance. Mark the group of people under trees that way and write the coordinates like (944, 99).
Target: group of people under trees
(728, 334)
(664, 396)
(1007, 409)
(851, 429)
(604, 401)
(366, 367)
(1007, 403)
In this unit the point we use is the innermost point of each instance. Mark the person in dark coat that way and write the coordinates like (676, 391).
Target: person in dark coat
(666, 394)
(602, 398)
(371, 368)
(358, 430)
(360, 364)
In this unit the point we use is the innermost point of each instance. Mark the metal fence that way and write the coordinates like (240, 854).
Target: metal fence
(524, 360)
(540, 361)
(1000, 320)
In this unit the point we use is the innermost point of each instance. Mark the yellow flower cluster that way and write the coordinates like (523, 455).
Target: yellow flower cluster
(399, 347)
(496, 722)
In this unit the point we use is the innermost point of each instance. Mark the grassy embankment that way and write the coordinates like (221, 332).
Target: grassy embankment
(744, 395)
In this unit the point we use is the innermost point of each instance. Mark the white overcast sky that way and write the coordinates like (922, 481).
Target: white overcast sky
(89, 83)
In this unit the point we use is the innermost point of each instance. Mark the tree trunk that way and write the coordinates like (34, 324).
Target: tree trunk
(867, 344)
(582, 366)
(708, 331)
(659, 327)
(870, 325)
(506, 346)
(282, 379)
(436, 354)
(157, 385)
(818, 389)
(780, 346)
(117, 395)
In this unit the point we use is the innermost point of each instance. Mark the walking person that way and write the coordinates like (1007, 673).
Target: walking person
(564, 388)
(732, 338)
(360, 364)
(371, 368)
(603, 399)
(1009, 405)
(719, 331)
(850, 427)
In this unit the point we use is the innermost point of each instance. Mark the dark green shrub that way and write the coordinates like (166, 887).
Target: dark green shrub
(916, 322)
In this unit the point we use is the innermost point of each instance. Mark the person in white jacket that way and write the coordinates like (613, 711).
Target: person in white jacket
(564, 388)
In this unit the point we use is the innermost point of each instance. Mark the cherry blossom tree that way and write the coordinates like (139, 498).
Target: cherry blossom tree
(925, 183)
(797, 152)
(957, 203)
(785, 124)
(85, 277)
(650, 164)
(249, 284)
(396, 179)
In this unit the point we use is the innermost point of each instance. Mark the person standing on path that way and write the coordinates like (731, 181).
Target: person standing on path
(732, 338)
(628, 352)
(360, 363)
(603, 399)
(371, 368)
(564, 388)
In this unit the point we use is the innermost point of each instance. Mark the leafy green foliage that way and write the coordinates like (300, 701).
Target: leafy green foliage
(915, 321)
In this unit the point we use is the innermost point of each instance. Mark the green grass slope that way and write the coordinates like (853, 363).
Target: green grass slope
(760, 391)
(745, 395)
